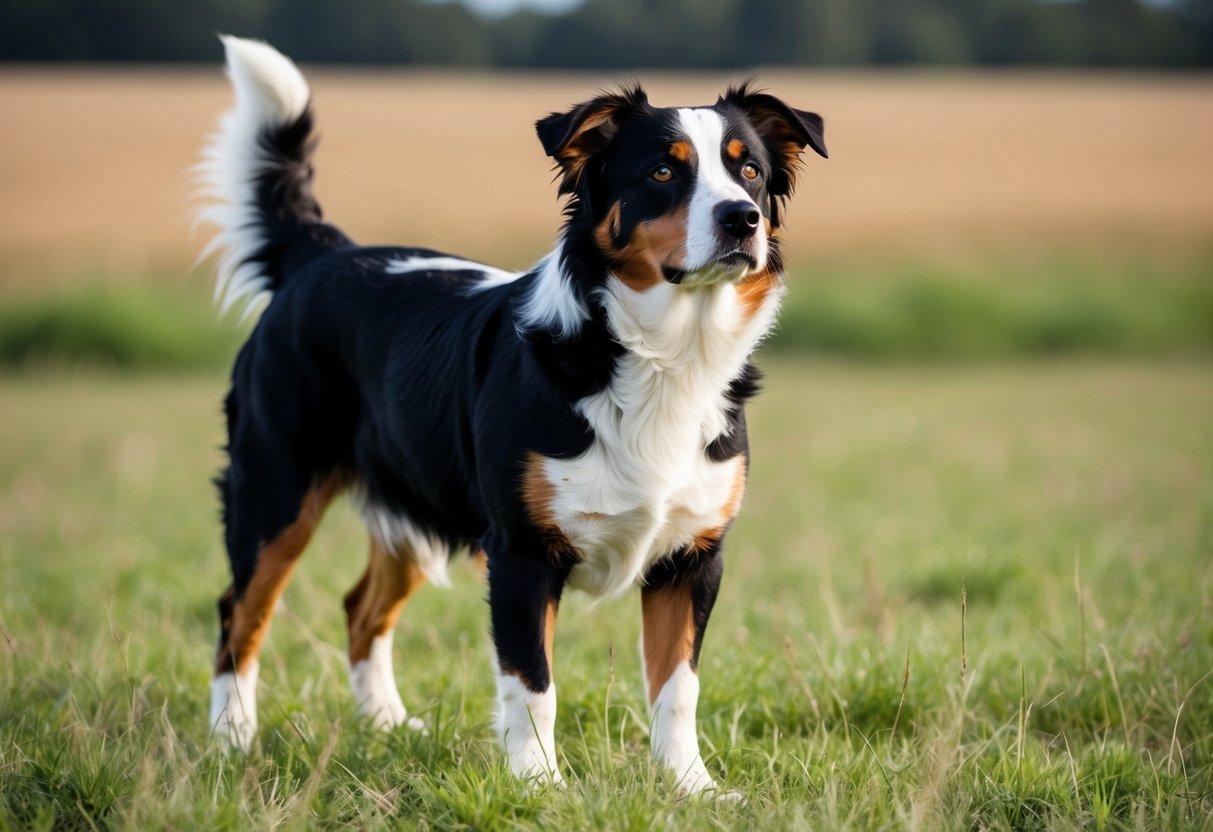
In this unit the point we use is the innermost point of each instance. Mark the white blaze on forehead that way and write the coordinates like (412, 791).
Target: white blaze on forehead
(713, 185)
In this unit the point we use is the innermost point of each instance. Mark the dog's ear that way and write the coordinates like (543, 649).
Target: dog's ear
(785, 131)
(575, 137)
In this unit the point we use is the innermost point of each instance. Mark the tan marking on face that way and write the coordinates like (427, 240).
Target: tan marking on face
(252, 611)
(681, 150)
(374, 604)
(754, 289)
(735, 148)
(608, 229)
(669, 633)
(709, 537)
(654, 243)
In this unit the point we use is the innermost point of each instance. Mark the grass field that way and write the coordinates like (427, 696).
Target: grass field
(970, 588)
(1032, 542)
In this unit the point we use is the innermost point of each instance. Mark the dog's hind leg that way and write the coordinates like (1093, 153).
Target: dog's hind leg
(372, 607)
(246, 608)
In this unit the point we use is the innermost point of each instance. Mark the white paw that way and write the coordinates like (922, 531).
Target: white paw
(530, 762)
(525, 724)
(375, 689)
(697, 784)
(695, 780)
(725, 797)
(233, 712)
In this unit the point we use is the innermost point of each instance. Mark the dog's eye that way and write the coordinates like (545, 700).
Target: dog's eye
(662, 173)
(750, 171)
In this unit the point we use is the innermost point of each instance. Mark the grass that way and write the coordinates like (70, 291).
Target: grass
(962, 594)
(141, 325)
(1045, 305)
(1070, 505)
(947, 309)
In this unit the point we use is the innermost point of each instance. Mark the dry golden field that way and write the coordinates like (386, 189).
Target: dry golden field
(93, 161)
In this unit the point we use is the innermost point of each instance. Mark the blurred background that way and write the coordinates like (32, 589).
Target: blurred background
(1007, 178)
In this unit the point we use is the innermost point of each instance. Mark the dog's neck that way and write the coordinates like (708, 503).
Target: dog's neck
(584, 315)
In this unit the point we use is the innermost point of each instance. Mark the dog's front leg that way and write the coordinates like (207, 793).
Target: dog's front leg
(524, 593)
(676, 600)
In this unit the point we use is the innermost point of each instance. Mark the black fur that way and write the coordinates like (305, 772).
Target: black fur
(429, 396)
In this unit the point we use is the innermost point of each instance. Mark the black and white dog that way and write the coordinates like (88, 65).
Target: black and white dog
(580, 424)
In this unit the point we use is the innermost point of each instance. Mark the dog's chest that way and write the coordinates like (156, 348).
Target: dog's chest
(645, 488)
(622, 510)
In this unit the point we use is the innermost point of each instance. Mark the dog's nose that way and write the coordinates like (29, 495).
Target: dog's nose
(738, 217)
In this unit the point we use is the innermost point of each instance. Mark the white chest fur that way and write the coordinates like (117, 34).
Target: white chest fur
(645, 487)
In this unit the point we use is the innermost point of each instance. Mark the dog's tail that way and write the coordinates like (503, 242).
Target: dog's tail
(256, 178)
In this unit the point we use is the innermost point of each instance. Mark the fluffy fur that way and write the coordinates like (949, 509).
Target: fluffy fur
(579, 424)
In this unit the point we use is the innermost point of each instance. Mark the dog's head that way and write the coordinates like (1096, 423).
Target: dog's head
(685, 195)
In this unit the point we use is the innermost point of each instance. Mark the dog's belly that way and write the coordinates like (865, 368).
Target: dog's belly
(621, 520)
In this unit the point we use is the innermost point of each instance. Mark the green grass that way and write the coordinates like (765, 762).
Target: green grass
(1020, 305)
(1071, 504)
(951, 309)
(153, 323)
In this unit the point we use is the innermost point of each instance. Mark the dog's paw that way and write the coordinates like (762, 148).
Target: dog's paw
(233, 712)
(696, 784)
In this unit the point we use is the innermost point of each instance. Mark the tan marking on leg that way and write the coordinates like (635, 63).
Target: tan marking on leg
(549, 631)
(669, 633)
(706, 538)
(735, 148)
(252, 611)
(537, 496)
(681, 150)
(374, 604)
(537, 491)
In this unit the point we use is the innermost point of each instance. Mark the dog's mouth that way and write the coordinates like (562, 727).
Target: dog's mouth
(729, 266)
(737, 257)
(673, 275)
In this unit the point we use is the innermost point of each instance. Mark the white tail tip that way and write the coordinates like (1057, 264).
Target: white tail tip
(266, 81)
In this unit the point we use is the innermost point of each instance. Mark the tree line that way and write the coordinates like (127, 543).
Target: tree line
(614, 34)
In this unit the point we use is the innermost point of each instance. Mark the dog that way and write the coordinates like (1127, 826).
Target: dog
(581, 424)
